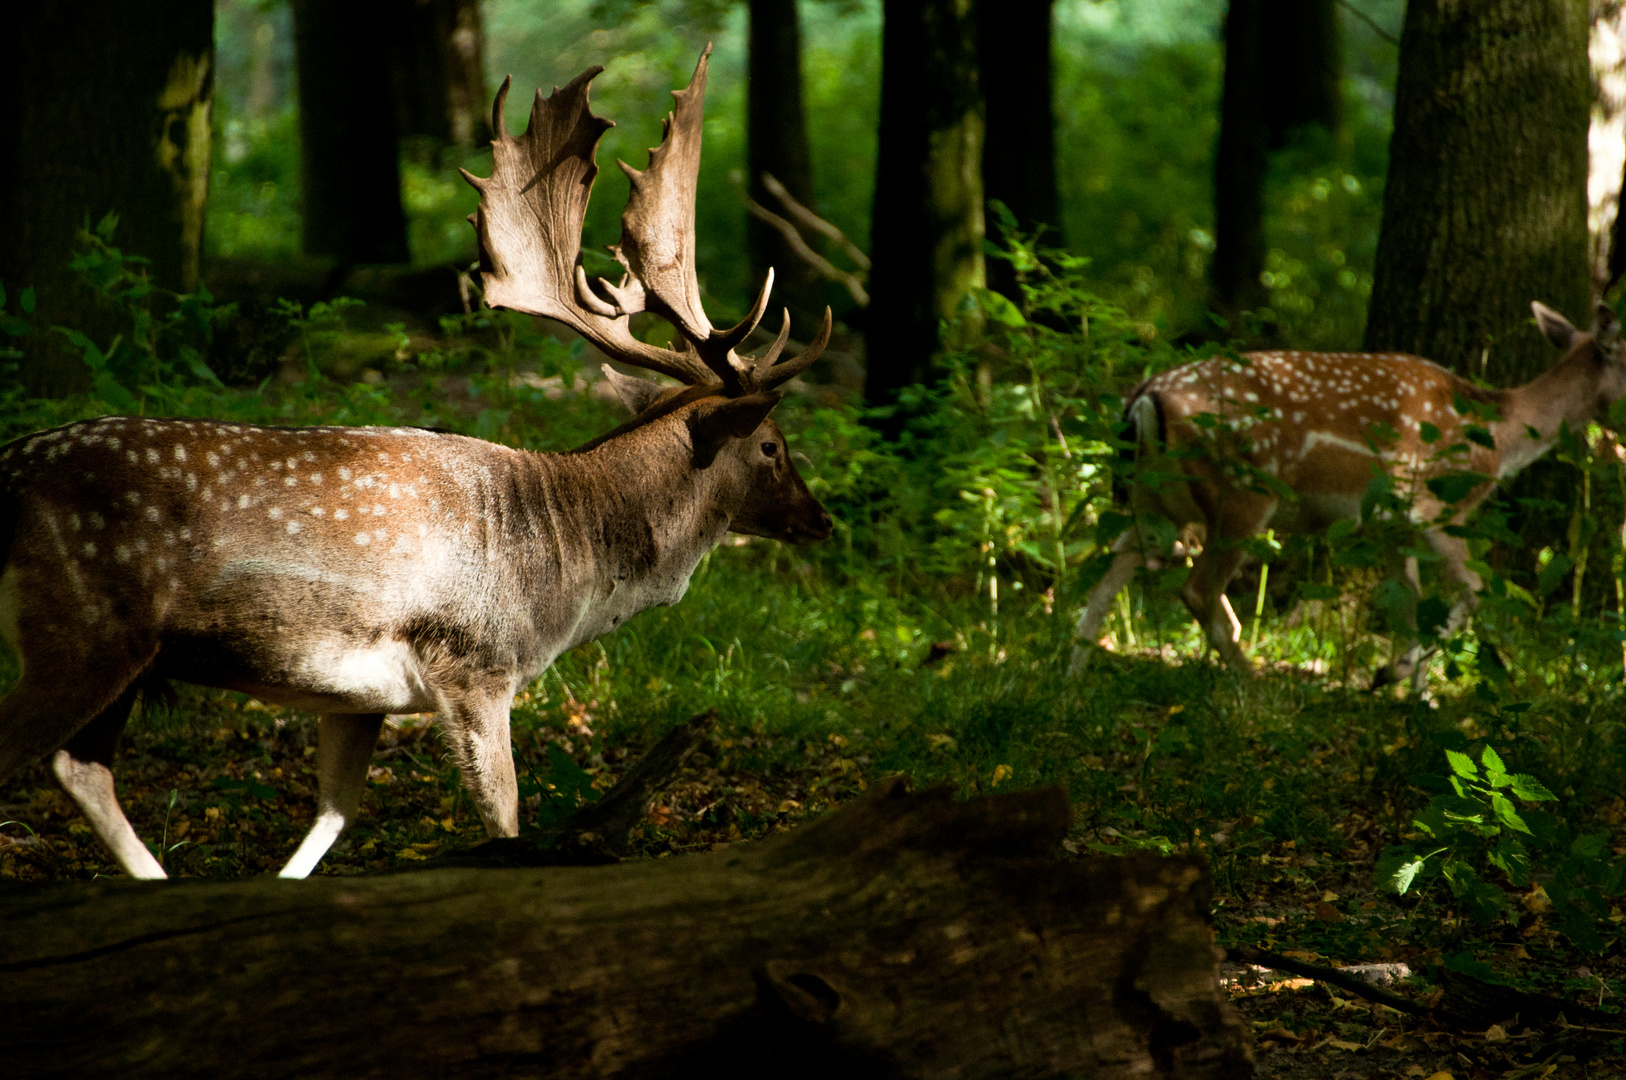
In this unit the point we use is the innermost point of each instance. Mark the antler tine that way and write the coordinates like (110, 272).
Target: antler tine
(764, 360)
(499, 108)
(765, 374)
(727, 340)
(530, 222)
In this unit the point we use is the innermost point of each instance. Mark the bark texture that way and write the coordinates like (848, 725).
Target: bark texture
(1485, 208)
(1304, 84)
(440, 81)
(1019, 154)
(904, 935)
(927, 230)
(103, 107)
(350, 170)
(1240, 164)
(776, 143)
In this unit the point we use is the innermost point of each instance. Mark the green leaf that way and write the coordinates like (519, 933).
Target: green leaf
(25, 300)
(111, 391)
(1589, 845)
(1492, 761)
(1429, 432)
(1506, 814)
(1553, 574)
(1530, 789)
(1462, 764)
(1456, 485)
(1480, 435)
(999, 308)
(1400, 879)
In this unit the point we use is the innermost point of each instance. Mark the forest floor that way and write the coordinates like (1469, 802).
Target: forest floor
(224, 786)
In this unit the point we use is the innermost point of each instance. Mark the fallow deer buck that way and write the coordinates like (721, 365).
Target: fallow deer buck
(1316, 425)
(357, 572)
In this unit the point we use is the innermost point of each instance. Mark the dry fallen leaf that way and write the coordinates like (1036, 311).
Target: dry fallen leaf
(1342, 1044)
(1326, 912)
(1279, 1034)
(1495, 1033)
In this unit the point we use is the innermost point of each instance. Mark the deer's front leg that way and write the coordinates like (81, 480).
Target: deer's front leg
(344, 750)
(476, 726)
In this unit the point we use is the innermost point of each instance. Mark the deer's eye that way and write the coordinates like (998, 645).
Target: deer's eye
(769, 449)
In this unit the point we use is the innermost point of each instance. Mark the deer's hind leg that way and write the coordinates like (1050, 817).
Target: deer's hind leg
(1126, 559)
(84, 768)
(83, 715)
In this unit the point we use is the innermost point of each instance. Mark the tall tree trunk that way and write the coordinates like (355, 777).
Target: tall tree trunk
(776, 143)
(1240, 163)
(350, 170)
(1019, 156)
(440, 81)
(1300, 42)
(927, 224)
(1485, 208)
(102, 107)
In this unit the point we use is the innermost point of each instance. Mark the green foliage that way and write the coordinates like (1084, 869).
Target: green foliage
(160, 353)
(1474, 827)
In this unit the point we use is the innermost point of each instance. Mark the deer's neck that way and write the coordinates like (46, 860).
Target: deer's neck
(1533, 414)
(628, 533)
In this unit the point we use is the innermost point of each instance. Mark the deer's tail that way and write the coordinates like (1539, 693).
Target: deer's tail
(1145, 429)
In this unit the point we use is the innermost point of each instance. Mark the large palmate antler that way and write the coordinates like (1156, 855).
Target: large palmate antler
(530, 224)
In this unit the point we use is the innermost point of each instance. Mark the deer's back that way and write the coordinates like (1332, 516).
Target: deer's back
(1317, 422)
(265, 557)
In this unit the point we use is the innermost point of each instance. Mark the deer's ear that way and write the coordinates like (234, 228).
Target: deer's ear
(714, 421)
(1556, 328)
(635, 393)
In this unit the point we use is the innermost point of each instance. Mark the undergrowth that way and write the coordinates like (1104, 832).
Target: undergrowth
(931, 637)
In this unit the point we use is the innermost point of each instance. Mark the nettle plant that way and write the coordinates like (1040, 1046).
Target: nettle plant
(1475, 831)
(160, 354)
(1022, 431)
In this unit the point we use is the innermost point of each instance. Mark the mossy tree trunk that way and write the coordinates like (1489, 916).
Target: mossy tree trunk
(902, 936)
(1019, 155)
(103, 107)
(350, 169)
(1485, 208)
(776, 143)
(927, 222)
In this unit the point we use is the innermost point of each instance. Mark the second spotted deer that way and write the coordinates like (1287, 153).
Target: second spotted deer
(357, 572)
(1310, 428)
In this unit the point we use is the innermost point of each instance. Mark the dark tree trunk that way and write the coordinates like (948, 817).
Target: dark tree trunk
(1485, 208)
(1019, 154)
(927, 224)
(904, 935)
(776, 143)
(102, 107)
(1300, 41)
(440, 82)
(1240, 164)
(350, 173)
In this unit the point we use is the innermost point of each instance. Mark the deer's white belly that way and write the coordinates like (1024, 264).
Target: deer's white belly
(340, 677)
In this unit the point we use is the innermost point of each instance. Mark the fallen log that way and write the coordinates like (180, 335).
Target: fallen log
(903, 935)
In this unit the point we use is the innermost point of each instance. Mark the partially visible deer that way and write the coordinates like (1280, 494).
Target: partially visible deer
(1316, 424)
(357, 572)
